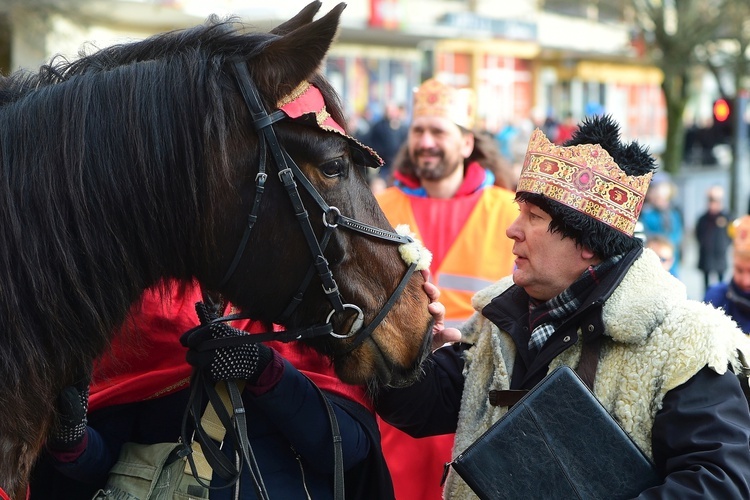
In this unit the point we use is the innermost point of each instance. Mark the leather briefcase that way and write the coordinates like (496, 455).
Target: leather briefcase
(557, 442)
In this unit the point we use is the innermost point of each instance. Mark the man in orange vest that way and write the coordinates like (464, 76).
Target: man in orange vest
(445, 189)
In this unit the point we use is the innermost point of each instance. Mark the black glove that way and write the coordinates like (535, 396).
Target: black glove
(242, 361)
(70, 426)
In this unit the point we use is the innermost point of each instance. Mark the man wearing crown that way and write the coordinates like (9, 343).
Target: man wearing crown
(586, 294)
(444, 191)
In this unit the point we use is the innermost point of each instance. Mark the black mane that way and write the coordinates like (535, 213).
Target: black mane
(81, 140)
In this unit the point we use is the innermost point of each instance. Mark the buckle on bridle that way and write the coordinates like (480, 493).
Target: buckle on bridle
(356, 325)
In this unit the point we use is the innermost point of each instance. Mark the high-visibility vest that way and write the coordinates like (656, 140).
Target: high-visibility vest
(480, 255)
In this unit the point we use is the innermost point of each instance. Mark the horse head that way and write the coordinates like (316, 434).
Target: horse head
(298, 107)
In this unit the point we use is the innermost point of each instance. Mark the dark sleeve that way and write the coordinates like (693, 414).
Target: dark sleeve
(296, 406)
(92, 465)
(701, 440)
(715, 296)
(430, 406)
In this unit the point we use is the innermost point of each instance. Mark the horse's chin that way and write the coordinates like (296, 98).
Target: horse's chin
(372, 365)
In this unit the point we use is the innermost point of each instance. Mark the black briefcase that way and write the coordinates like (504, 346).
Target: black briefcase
(557, 442)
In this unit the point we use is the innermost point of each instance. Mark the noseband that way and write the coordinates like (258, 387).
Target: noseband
(291, 175)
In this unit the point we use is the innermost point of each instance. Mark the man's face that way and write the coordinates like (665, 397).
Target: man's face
(437, 147)
(546, 263)
(741, 273)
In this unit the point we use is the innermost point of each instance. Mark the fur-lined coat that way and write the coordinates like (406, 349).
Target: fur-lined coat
(655, 341)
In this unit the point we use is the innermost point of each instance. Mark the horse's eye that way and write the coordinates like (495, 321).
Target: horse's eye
(334, 168)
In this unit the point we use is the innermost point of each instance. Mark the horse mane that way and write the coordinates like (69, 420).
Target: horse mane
(89, 150)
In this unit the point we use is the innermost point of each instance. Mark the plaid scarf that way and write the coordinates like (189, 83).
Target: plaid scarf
(546, 317)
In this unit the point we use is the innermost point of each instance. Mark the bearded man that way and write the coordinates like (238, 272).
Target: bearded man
(446, 188)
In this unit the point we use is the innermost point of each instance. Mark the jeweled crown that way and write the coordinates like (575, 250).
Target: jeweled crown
(435, 98)
(584, 178)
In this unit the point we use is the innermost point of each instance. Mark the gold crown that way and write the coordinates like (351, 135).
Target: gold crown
(435, 98)
(584, 178)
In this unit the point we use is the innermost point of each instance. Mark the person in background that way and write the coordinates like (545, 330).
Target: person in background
(505, 138)
(445, 190)
(386, 136)
(583, 284)
(566, 129)
(734, 297)
(663, 248)
(660, 216)
(712, 233)
(360, 125)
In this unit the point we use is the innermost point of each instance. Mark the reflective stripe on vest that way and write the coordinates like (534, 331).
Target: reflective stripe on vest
(465, 283)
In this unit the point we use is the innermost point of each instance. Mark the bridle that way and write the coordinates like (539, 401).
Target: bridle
(291, 176)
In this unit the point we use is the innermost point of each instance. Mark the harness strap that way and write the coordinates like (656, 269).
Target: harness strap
(363, 334)
(297, 297)
(214, 429)
(321, 264)
(243, 440)
(586, 370)
(283, 336)
(339, 219)
(260, 181)
(338, 450)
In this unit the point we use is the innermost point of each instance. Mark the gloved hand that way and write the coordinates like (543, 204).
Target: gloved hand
(70, 426)
(244, 361)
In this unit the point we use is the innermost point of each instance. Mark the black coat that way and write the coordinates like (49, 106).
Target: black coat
(713, 241)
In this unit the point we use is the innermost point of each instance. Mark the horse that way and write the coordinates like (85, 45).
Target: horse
(212, 153)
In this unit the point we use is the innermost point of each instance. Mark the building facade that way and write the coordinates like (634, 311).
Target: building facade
(530, 61)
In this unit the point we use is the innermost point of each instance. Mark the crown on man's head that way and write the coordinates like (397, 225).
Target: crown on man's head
(435, 98)
(585, 178)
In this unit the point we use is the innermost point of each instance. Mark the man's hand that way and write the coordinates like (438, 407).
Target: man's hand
(440, 334)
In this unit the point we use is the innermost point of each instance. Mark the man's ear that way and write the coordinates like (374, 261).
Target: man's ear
(467, 144)
(588, 254)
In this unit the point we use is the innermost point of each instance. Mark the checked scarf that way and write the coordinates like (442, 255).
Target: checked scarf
(546, 317)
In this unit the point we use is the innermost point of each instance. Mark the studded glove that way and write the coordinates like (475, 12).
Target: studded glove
(243, 361)
(70, 426)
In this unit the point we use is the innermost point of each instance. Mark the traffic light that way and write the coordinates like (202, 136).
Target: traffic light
(722, 110)
(723, 120)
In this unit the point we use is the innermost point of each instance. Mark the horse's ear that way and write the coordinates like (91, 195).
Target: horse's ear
(293, 57)
(304, 17)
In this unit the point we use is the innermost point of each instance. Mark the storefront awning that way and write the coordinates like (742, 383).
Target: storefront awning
(606, 72)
